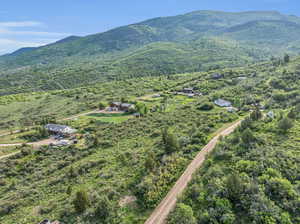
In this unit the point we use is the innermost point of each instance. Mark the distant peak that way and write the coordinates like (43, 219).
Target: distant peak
(70, 38)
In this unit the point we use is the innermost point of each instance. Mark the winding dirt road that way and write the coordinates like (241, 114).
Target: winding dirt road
(34, 145)
(162, 211)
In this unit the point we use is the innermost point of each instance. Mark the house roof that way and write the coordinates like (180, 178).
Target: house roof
(217, 75)
(126, 105)
(223, 103)
(188, 89)
(116, 103)
(60, 128)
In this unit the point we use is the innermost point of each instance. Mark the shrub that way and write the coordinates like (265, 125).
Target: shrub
(81, 201)
(206, 106)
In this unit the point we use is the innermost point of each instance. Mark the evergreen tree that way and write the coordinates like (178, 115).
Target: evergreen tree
(256, 114)
(286, 58)
(247, 137)
(81, 201)
(170, 141)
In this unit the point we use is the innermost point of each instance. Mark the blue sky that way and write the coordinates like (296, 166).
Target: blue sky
(37, 22)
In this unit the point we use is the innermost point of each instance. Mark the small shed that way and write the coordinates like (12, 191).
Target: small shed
(271, 114)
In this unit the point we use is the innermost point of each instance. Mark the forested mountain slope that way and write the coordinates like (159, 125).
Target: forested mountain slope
(196, 41)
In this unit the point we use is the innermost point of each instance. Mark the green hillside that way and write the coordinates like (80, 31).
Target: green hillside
(196, 41)
(121, 156)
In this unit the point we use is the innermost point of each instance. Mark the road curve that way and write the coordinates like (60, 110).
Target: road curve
(162, 211)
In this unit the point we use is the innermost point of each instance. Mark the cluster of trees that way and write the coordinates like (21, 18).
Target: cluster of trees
(245, 181)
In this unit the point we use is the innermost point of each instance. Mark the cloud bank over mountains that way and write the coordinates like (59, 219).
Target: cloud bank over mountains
(18, 34)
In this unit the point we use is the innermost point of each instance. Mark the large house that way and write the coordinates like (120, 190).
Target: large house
(60, 129)
(118, 106)
(223, 103)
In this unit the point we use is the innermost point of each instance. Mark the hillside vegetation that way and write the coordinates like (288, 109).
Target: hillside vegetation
(198, 41)
(141, 158)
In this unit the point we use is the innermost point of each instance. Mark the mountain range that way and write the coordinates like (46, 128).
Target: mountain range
(197, 41)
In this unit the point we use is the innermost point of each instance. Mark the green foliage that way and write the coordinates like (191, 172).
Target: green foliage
(81, 201)
(102, 105)
(182, 214)
(104, 210)
(247, 137)
(184, 43)
(170, 141)
(285, 124)
(253, 182)
(286, 58)
(206, 106)
(256, 114)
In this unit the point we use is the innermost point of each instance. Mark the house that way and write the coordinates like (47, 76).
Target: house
(126, 107)
(118, 106)
(46, 221)
(156, 95)
(60, 129)
(222, 103)
(115, 106)
(188, 90)
(217, 76)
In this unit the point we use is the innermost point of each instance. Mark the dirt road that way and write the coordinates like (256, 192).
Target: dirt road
(9, 155)
(162, 211)
(34, 144)
(9, 133)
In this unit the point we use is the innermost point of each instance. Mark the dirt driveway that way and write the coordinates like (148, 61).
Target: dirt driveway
(162, 211)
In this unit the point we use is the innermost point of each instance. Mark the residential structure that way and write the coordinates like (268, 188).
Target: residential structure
(118, 106)
(188, 90)
(223, 103)
(217, 76)
(60, 129)
(46, 221)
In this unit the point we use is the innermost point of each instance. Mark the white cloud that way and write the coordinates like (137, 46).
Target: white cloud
(21, 24)
(15, 35)
(31, 33)
(7, 45)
